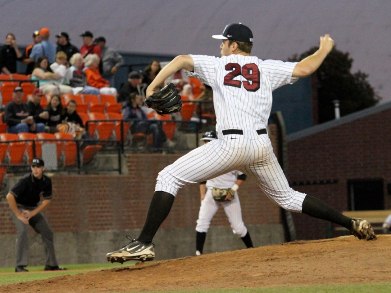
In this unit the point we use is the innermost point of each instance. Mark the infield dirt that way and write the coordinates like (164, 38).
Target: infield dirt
(329, 261)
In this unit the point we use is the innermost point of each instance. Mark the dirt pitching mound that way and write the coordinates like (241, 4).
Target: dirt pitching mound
(330, 261)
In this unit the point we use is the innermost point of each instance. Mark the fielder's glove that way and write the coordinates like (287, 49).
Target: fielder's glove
(220, 194)
(165, 101)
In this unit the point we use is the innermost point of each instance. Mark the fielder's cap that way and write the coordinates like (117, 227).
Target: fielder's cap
(87, 34)
(134, 75)
(209, 135)
(37, 162)
(236, 32)
(44, 31)
(18, 89)
(63, 34)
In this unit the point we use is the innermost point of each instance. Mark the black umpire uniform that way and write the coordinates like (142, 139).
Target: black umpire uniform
(25, 198)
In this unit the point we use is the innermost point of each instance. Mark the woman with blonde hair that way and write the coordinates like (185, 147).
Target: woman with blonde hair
(94, 78)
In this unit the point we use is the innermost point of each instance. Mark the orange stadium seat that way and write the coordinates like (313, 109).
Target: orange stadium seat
(101, 129)
(68, 149)
(117, 125)
(19, 77)
(187, 111)
(5, 77)
(29, 139)
(94, 104)
(28, 89)
(169, 127)
(16, 148)
(111, 105)
(89, 152)
(81, 106)
(42, 138)
(7, 90)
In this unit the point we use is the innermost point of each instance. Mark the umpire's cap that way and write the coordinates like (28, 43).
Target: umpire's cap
(37, 162)
(209, 135)
(236, 32)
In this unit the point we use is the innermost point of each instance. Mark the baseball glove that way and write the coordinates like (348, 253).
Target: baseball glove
(220, 194)
(165, 101)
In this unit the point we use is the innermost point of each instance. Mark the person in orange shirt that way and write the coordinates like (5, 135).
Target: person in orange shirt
(94, 78)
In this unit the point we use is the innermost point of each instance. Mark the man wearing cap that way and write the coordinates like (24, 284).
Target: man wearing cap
(35, 109)
(229, 183)
(111, 60)
(44, 48)
(64, 45)
(89, 47)
(17, 115)
(134, 85)
(242, 87)
(24, 200)
(30, 64)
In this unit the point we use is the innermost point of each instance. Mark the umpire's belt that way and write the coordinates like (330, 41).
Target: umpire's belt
(239, 131)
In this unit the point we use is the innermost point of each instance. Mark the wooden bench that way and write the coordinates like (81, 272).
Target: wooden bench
(375, 217)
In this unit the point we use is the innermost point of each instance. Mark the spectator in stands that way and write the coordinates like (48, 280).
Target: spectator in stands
(30, 64)
(187, 93)
(64, 45)
(17, 116)
(35, 109)
(77, 77)
(71, 121)
(94, 78)
(45, 48)
(55, 111)
(9, 54)
(140, 123)
(111, 60)
(134, 85)
(89, 47)
(151, 71)
(49, 82)
(24, 200)
(60, 66)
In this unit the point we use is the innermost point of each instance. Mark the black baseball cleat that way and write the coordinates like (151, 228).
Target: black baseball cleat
(135, 250)
(362, 229)
(21, 269)
(54, 268)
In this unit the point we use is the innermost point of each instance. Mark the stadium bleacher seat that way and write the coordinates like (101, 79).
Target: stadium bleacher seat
(99, 127)
(94, 104)
(68, 149)
(29, 139)
(16, 148)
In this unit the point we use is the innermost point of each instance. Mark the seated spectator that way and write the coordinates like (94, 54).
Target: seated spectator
(151, 71)
(94, 78)
(55, 111)
(140, 123)
(187, 93)
(35, 109)
(77, 77)
(49, 82)
(134, 85)
(71, 121)
(89, 47)
(17, 116)
(60, 66)
(64, 45)
(9, 54)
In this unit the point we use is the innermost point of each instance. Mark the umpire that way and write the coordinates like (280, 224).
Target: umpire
(25, 203)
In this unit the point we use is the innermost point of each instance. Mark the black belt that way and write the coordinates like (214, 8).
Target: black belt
(239, 131)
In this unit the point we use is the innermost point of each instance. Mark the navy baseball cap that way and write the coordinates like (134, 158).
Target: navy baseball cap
(209, 135)
(236, 32)
(87, 34)
(37, 162)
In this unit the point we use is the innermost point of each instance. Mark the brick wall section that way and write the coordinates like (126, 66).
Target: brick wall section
(356, 150)
(118, 202)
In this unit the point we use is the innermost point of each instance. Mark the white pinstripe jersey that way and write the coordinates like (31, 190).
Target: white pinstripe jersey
(224, 181)
(242, 88)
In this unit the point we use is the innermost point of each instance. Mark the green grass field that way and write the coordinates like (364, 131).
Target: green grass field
(8, 276)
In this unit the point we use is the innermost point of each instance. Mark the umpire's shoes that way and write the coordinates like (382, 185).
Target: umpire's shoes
(362, 229)
(135, 250)
(54, 268)
(21, 269)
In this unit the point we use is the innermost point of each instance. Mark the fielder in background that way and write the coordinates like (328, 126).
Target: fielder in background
(24, 201)
(242, 87)
(216, 192)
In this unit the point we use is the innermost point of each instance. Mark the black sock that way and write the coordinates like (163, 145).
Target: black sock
(247, 240)
(158, 211)
(200, 241)
(318, 209)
